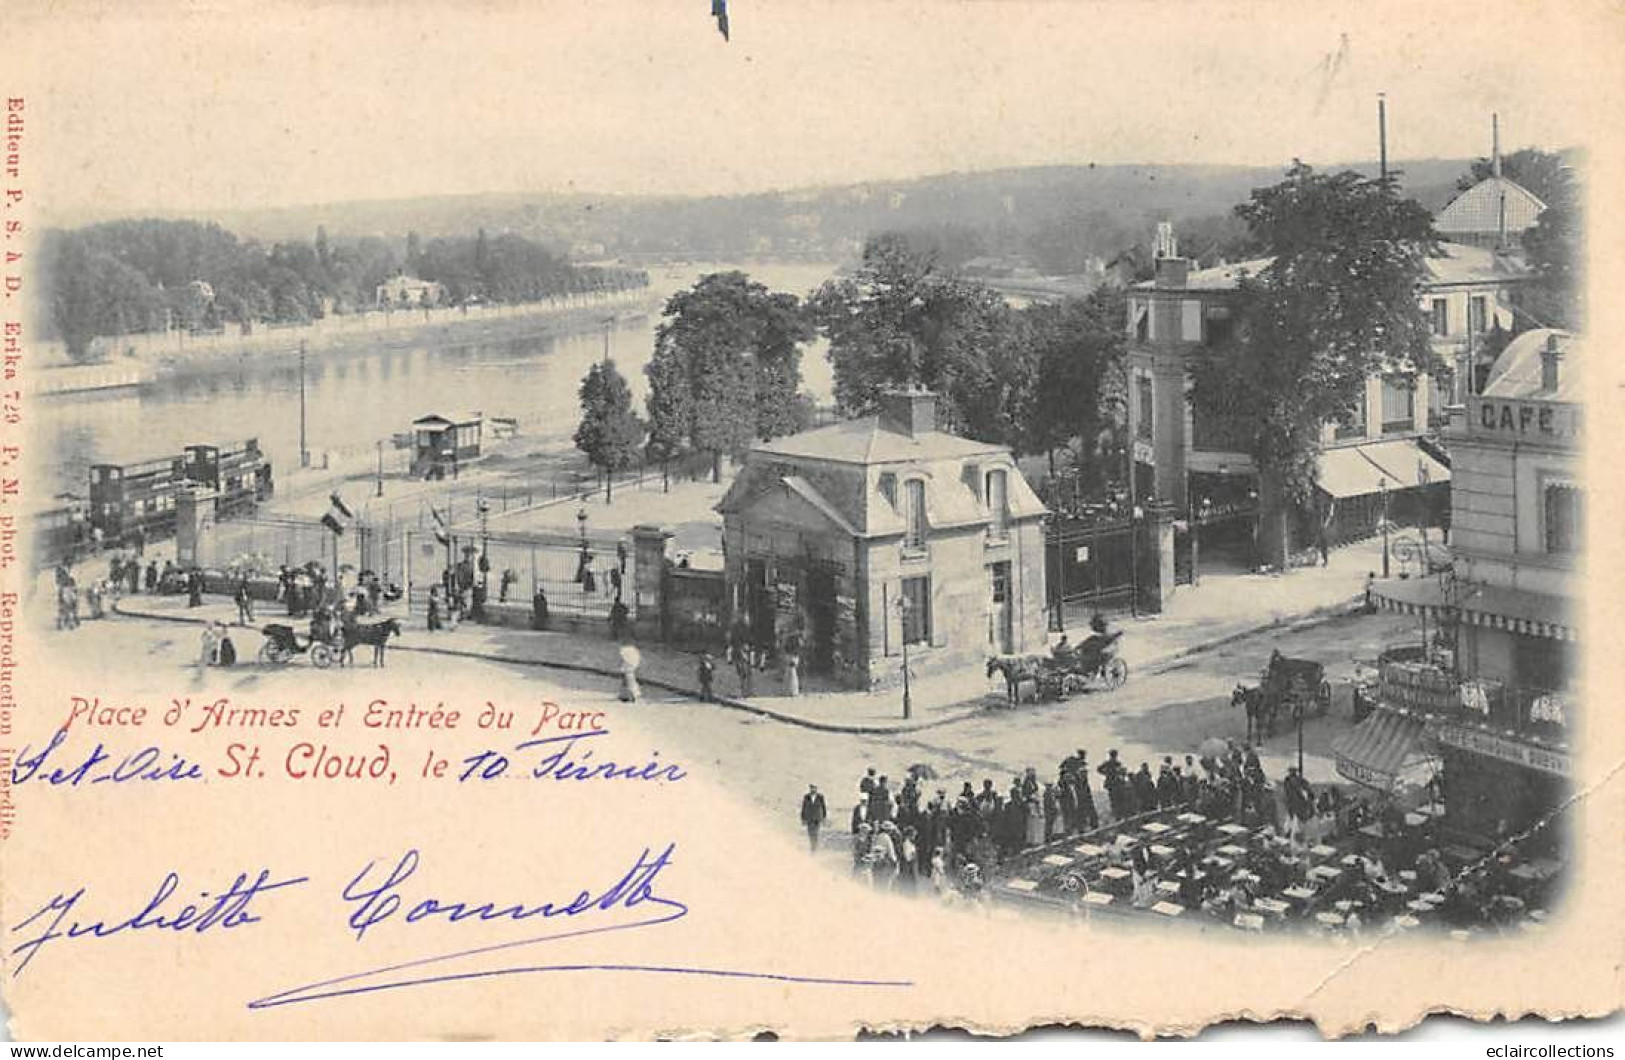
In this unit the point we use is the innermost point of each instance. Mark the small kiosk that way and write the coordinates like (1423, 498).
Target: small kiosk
(441, 442)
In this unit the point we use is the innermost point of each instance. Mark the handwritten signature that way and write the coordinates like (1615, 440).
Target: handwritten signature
(375, 897)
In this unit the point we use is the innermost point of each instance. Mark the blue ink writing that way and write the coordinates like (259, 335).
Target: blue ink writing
(377, 902)
(97, 768)
(564, 760)
(231, 908)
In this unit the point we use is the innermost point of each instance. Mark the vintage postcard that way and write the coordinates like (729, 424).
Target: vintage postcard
(707, 519)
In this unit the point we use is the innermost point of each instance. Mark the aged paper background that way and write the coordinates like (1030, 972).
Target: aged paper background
(757, 903)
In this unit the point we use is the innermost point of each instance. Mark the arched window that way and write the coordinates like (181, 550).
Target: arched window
(998, 502)
(914, 515)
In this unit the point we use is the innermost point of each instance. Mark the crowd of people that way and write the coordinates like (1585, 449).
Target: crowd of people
(902, 834)
(909, 838)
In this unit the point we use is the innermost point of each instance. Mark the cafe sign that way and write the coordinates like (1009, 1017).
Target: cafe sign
(1536, 420)
(1517, 752)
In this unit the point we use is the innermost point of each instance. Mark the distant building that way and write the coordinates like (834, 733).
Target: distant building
(1494, 213)
(1505, 712)
(1179, 455)
(872, 533)
(410, 291)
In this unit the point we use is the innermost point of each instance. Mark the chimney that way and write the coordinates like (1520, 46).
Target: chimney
(1551, 360)
(1164, 245)
(1172, 273)
(912, 411)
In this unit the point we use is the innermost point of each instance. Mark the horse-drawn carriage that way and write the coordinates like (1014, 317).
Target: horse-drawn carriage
(331, 640)
(1298, 686)
(1063, 673)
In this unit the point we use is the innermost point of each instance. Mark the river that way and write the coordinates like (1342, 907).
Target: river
(353, 399)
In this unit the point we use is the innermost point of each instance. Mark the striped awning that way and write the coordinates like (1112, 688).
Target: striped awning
(1491, 606)
(1382, 748)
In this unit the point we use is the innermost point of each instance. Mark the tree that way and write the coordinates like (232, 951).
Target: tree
(1543, 173)
(1553, 247)
(726, 369)
(1337, 303)
(900, 321)
(610, 432)
(1077, 349)
(670, 405)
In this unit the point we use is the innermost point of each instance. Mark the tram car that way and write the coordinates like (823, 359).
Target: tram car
(61, 533)
(128, 497)
(240, 478)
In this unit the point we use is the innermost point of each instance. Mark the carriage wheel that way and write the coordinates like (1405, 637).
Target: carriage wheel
(267, 652)
(321, 655)
(1116, 674)
(1072, 684)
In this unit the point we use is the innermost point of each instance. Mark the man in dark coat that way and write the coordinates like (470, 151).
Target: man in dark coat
(538, 609)
(881, 805)
(1145, 789)
(1300, 798)
(1013, 823)
(1116, 775)
(814, 812)
(1168, 793)
(1088, 816)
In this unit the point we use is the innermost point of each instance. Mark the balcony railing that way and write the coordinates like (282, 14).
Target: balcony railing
(1522, 711)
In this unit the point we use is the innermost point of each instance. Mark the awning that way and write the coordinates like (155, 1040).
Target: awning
(1361, 470)
(1492, 606)
(1383, 750)
(1404, 463)
(1519, 611)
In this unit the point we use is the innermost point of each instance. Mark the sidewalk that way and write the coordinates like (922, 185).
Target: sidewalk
(1225, 606)
(936, 701)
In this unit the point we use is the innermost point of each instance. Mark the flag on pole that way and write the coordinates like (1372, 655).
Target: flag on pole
(440, 528)
(338, 514)
(719, 11)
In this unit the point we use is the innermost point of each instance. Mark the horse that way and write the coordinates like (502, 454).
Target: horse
(1016, 669)
(375, 633)
(1260, 710)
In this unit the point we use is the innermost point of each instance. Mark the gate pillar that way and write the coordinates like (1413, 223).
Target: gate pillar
(649, 579)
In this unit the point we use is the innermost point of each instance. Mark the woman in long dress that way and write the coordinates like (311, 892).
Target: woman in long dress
(908, 861)
(631, 658)
(1035, 822)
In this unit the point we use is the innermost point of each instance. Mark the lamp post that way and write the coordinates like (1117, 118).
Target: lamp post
(1135, 515)
(904, 608)
(304, 449)
(484, 509)
(1382, 485)
(380, 490)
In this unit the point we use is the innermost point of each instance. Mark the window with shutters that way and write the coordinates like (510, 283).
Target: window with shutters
(1562, 518)
(1144, 413)
(917, 610)
(914, 515)
(998, 504)
(1478, 314)
(1441, 317)
(1398, 405)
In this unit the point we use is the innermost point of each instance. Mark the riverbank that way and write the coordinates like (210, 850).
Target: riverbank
(154, 357)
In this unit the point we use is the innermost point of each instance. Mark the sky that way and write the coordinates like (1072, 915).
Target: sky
(192, 106)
